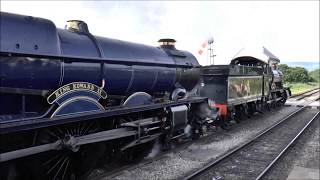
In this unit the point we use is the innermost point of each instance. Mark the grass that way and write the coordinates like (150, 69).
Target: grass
(297, 88)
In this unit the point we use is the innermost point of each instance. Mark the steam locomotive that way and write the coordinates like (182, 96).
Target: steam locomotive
(69, 98)
(246, 86)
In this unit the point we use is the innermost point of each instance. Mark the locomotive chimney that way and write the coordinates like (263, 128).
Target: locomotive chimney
(77, 26)
(167, 43)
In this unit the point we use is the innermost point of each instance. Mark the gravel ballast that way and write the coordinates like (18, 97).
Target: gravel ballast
(176, 165)
(304, 153)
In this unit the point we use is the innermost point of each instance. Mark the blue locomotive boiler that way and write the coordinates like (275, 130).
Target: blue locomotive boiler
(37, 59)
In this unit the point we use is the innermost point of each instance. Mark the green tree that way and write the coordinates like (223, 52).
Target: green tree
(315, 75)
(294, 74)
(283, 67)
(300, 74)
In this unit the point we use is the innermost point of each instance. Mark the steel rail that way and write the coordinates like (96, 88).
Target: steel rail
(307, 94)
(246, 143)
(299, 94)
(263, 173)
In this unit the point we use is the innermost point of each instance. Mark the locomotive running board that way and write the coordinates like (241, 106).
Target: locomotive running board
(70, 142)
(29, 124)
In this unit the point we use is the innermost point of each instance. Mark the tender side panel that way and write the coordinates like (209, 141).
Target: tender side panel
(244, 88)
(266, 86)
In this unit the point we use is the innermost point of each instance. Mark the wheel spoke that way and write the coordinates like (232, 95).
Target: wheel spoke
(68, 133)
(56, 175)
(52, 134)
(88, 128)
(65, 169)
(66, 164)
(93, 130)
(51, 159)
(60, 132)
(78, 128)
(82, 128)
(55, 165)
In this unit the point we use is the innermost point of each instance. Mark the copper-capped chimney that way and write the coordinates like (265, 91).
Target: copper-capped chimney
(167, 43)
(77, 26)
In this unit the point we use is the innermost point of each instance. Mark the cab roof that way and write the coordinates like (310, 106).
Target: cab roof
(248, 61)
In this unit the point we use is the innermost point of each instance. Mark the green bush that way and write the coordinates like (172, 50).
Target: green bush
(294, 74)
(315, 75)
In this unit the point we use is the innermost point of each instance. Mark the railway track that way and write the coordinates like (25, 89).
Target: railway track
(255, 157)
(304, 94)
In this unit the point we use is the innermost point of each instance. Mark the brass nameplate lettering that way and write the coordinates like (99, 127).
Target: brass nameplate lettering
(76, 86)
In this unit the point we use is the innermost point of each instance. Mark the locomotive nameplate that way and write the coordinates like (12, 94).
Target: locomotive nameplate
(76, 86)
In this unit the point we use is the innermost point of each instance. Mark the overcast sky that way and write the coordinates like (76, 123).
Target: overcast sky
(289, 29)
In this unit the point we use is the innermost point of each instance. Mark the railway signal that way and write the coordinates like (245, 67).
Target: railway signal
(207, 44)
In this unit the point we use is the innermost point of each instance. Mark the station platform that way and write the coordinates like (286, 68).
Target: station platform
(314, 105)
(301, 173)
